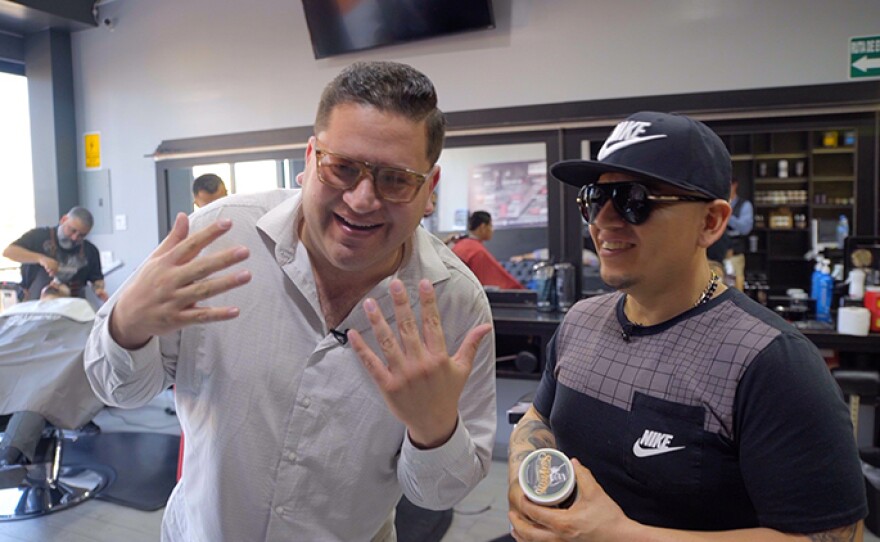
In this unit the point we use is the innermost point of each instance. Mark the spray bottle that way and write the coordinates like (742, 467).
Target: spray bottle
(814, 279)
(826, 292)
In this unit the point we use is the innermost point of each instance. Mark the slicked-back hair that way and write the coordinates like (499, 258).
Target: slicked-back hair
(83, 215)
(389, 87)
(208, 182)
(477, 219)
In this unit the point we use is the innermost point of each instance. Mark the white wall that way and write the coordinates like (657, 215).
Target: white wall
(172, 69)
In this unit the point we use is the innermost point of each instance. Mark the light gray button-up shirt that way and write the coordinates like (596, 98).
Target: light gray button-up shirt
(287, 435)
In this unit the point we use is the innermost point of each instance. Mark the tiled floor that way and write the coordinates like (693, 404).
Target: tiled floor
(480, 517)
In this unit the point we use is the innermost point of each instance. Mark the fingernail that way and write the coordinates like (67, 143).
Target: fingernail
(370, 305)
(241, 252)
(243, 276)
(396, 287)
(224, 223)
(425, 285)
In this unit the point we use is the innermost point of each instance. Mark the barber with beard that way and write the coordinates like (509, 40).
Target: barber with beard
(59, 254)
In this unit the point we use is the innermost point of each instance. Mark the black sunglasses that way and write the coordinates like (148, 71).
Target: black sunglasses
(632, 201)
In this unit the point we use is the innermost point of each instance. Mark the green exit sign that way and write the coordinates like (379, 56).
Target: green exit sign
(864, 57)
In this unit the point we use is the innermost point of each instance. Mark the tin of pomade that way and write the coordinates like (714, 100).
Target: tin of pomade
(547, 478)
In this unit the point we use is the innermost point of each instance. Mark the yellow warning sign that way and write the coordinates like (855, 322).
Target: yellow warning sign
(92, 146)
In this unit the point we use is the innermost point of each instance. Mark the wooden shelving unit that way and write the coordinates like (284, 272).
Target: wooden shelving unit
(802, 174)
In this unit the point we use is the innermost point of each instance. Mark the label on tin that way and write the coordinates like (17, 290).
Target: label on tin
(546, 476)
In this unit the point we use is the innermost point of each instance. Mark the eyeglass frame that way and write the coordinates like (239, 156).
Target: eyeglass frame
(371, 168)
(627, 215)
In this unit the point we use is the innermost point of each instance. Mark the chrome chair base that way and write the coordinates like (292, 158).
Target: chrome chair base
(35, 496)
(46, 486)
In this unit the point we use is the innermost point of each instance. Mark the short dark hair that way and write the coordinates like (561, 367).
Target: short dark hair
(477, 219)
(389, 87)
(208, 182)
(83, 215)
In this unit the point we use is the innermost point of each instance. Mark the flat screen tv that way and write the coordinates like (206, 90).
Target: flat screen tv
(343, 26)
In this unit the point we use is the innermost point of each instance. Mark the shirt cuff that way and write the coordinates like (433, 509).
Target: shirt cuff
(116, 352)
(446, 455)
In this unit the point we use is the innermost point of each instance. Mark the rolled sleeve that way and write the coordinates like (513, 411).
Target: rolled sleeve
(120, 377)
(438, 478)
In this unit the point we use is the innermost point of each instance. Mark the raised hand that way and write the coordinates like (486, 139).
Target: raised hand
(422, 383)
(164, 295)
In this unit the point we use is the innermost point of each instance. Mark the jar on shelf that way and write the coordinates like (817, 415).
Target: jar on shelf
(830, 138)
(782, 169)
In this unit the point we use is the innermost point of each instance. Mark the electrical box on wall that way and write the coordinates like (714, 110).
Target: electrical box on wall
(94, 195)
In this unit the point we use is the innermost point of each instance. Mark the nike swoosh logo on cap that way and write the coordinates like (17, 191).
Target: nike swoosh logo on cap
(639, 451)
(611, 147)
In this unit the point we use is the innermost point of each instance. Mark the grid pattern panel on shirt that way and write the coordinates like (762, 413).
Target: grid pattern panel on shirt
(696, 359)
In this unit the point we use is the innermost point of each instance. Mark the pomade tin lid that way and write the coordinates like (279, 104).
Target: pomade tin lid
(547, 477)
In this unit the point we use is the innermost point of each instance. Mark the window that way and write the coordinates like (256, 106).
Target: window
(256, 176)
(16, 173)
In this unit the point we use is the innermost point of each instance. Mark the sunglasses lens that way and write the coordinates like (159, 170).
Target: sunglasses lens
(590, 200)
(631, 201)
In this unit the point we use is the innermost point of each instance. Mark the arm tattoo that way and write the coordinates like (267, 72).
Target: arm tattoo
(844, 534)
(528, 437)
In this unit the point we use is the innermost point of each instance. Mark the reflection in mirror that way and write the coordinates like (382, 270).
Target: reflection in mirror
(507, 181)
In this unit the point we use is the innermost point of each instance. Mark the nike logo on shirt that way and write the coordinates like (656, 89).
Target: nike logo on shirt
(626, 134)
(653, 443)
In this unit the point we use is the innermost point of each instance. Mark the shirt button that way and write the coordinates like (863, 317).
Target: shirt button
(291, 456)
(279, 510)
(306, 402)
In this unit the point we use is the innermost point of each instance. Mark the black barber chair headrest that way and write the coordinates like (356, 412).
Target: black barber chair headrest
(861, 383)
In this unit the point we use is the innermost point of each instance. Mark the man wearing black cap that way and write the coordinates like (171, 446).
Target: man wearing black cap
(686, 406)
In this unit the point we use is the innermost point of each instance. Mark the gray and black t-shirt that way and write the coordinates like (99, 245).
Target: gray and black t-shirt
(724, 417)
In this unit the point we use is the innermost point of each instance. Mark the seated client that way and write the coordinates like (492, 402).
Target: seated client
(41, 370)
(470, 249)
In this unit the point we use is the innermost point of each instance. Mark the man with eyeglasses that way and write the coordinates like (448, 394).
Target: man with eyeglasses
(690, 411)
(59, 254)
(302, 330)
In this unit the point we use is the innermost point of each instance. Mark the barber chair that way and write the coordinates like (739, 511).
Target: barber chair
(35, 488)
(44, 387)
(861, 386)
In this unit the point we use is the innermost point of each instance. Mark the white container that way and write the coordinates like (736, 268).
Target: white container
(853, 321)
(857, 283)
(783, 169)
(547, 477)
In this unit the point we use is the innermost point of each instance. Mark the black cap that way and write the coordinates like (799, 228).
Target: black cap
(670, 148)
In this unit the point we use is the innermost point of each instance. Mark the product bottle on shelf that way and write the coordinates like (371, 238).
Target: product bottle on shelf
(814, 280)
(842, 230)
(826, 291)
